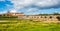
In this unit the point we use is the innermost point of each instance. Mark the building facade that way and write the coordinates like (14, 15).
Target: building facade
(12, 14)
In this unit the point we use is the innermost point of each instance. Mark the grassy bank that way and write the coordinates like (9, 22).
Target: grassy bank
(29, 25)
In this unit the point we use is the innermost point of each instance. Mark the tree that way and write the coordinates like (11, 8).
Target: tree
(56, 14)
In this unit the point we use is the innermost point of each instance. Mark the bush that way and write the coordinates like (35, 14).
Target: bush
(7, 17)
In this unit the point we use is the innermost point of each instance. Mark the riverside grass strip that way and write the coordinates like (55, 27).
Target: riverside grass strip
(27, 25)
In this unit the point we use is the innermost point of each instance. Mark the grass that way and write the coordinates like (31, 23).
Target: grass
(29, 25)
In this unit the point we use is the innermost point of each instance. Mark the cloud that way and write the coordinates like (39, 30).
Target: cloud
(41, 4)
(32, 9)
(5, 6)
(3, 12)
(2, 0)
(20, 4)
(47, 3)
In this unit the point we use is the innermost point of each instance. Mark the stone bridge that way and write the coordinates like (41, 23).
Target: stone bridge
(41, 18)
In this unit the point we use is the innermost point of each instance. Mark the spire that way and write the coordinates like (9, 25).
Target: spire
(8, 11)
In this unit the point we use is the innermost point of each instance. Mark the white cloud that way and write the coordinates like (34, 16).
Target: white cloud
(47, 3)
(2, 0)
(32, 9)
(18, 4)
(13, 10)
(3, 12)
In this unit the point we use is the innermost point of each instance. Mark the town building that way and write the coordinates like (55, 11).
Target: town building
(12, 14)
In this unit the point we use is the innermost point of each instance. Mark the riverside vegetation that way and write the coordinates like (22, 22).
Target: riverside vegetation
(13, 24)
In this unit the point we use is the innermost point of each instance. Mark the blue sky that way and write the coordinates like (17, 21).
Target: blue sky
(30, 7)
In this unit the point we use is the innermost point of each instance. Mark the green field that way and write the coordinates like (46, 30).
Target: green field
(28, 25)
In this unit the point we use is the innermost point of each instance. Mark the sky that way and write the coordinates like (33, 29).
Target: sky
(30, 7)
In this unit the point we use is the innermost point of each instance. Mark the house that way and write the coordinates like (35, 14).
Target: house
(12, 14)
